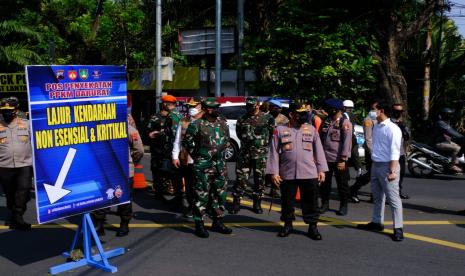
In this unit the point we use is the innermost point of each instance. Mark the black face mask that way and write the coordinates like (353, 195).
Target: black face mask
(396, 114)
(214, 113)
(8, 116)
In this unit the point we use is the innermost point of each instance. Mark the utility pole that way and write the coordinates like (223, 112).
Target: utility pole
(426, 78)
(158, 54)
(217, 50)
(240, 62)
(438, 50)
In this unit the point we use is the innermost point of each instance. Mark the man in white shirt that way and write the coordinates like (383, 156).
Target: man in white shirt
(385, 172)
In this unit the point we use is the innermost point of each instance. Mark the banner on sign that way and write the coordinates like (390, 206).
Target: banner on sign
(12, 82)
(78, 120)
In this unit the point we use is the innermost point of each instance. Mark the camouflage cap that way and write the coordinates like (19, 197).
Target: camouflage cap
(194, 101)
(210, 102)
(298, 107)
(251, 101)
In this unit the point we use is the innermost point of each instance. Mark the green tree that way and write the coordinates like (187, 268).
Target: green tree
(310, 53)
(15, 49)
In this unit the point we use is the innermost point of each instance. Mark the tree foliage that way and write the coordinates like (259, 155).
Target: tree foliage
(312, 54)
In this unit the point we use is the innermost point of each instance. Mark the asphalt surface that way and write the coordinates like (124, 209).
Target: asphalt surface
(161, 241)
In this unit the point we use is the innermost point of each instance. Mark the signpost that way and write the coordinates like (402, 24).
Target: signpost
(80, 148)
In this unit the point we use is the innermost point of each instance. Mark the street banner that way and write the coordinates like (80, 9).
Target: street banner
(78, 118)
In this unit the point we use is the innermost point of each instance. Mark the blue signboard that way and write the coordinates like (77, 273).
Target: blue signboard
(80, 141)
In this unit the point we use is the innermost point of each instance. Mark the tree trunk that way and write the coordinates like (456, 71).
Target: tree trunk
(393, 86)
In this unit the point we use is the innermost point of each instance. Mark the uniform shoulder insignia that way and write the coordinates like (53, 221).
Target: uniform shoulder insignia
(368, 123)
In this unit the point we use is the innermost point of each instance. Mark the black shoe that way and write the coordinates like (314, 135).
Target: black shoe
(236, 206)
(404, 196)
(200, 230)
(460, 213)
(257, 205)
(99, 227)
(313, 232)
(354, 199)
(20, 225)
(286, 230)
(324, 207)
(123, 229)
(218, 226)
(342, 209)
(188, 213)
(371, 200)
(371, 226)
(398, 234)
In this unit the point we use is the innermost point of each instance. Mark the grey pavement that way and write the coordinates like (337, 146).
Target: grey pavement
(161, 240)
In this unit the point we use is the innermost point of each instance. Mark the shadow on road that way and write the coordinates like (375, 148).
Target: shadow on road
(23, 248)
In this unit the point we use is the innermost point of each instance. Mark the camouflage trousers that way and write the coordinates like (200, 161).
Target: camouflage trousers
(209, 188)
(245, 165)
(164, 182)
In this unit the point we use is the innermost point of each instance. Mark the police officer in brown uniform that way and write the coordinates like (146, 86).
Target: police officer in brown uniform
(15, 163)
(296, 160)
(336, 136)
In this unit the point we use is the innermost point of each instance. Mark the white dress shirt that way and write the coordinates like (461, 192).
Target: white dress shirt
(387, 138)
(177, 145)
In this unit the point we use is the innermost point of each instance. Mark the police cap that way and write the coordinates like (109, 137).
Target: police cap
(298, 107)
(194, 101)
(334, 103)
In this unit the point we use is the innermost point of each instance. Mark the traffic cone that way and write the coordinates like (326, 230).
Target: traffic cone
(297, 196)
(139, 177)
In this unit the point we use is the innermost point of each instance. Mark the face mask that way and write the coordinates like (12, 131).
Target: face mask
(372, 114)
(397, 114)
(8, 116)
(193, 111)
(213, 113)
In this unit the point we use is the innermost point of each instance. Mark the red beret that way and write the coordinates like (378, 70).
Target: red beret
(168, 99)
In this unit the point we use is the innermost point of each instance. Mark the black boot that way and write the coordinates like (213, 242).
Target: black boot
(342, 209)
(236, 205)
(257, 205)
(200, 229)
(313, 232)
(99, 223)
(324, 206)
(286, 230)
(123, 228)
(218, 226)
(18, 223)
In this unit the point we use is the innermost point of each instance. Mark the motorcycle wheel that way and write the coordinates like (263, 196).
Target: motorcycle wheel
(416, 169)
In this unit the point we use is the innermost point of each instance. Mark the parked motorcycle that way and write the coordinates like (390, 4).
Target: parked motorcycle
(425, 161)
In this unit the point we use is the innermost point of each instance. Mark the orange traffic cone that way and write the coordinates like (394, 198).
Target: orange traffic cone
(297, 196)
(139, 177)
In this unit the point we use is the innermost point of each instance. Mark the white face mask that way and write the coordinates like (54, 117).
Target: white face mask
(193, 111)
(372, 114)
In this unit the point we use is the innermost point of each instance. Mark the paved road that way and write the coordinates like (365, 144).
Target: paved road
(161, 241)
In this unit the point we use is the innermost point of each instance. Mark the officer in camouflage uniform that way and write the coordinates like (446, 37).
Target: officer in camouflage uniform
(206, 140)
(157, 135)
(254, 129)
(171, 127)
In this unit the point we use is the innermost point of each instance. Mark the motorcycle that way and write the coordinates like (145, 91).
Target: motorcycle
(425, 161)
